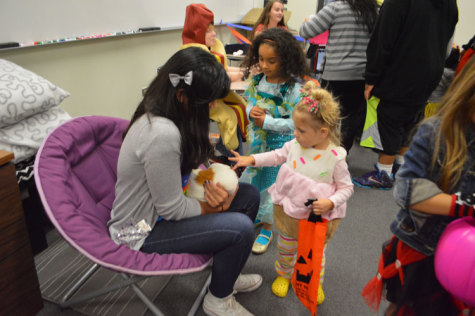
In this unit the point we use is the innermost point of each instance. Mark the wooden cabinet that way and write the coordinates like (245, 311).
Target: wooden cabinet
(19, 288)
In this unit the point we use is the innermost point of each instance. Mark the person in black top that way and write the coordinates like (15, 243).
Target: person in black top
(405, 60)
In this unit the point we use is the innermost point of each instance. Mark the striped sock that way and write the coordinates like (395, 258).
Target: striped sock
(286, 252)
(322, 269)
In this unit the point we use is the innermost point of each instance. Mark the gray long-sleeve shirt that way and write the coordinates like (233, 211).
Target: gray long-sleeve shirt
(345, 51)
(148, 181)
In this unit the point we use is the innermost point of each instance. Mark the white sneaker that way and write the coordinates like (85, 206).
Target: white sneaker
(227, 306)
(247, 283)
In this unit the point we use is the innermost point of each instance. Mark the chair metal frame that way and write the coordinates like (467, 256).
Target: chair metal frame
(129, 280)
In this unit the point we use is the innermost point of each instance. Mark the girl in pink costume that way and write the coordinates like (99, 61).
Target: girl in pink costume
(313, 167)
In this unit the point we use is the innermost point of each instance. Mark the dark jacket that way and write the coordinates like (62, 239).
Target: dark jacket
(408, 48)
(415, 182)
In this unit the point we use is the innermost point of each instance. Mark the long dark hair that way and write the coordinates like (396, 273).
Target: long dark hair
(210, 82)
(366, 12)
(293, 64)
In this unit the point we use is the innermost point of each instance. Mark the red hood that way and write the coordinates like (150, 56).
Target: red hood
(197, 19)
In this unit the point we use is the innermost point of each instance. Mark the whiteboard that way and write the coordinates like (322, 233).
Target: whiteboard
(26, 21)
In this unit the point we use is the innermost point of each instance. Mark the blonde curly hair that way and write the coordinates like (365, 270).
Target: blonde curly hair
(322, 108)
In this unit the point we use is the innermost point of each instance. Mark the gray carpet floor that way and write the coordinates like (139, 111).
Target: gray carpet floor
(352, 258)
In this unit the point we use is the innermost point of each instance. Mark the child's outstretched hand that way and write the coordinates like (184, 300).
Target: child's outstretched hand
(321, 206)
(241, 161)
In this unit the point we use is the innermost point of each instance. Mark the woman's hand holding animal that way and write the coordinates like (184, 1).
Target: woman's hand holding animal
(241, 161)
(258, 115)
(321, 206)
(217, 199)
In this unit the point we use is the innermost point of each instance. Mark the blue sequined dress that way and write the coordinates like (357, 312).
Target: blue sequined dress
(278, 100)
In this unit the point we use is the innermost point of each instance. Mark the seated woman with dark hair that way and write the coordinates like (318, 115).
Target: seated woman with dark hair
(166, 139)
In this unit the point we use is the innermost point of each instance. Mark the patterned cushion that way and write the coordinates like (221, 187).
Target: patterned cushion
(25, 137)
(24, 93)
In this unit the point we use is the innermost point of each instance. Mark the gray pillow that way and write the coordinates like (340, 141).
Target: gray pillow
(24, 93)
(25, 137)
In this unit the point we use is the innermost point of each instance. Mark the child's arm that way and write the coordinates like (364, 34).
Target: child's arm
(438, 204)
(284, 125)
(241, 161)
(250, 96)
(264, 120)
(415, 190)
(344, 190)
(271, 158)
(321, 206)
(267, 122)
(258, 115)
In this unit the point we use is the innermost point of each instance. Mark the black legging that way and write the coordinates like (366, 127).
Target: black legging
(350, 95)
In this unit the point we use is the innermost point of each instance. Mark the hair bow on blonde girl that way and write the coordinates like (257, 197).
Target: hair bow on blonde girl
(313, 105)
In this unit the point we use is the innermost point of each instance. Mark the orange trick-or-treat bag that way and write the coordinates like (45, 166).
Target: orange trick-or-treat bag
(306, 276)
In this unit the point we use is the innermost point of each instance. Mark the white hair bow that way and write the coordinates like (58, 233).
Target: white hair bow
(187, 78)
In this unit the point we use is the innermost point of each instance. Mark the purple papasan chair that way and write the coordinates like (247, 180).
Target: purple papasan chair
(75, 173)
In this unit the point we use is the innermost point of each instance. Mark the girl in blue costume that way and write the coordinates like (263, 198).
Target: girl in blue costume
(271, 97)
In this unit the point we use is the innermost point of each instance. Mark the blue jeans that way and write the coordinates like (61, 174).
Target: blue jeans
(228, 236)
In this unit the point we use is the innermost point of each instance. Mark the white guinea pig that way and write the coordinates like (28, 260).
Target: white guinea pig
(217, 172)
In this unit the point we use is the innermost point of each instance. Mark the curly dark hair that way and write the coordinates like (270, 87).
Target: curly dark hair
(293, 64)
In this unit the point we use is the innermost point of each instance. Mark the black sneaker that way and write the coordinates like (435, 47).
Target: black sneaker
(378, 179)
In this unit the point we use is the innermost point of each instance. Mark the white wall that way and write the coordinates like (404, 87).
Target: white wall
(105, 76)
(20, 22)
(300, 9)
(465, 28)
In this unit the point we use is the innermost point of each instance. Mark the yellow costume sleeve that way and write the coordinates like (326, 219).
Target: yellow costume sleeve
(224, 116)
